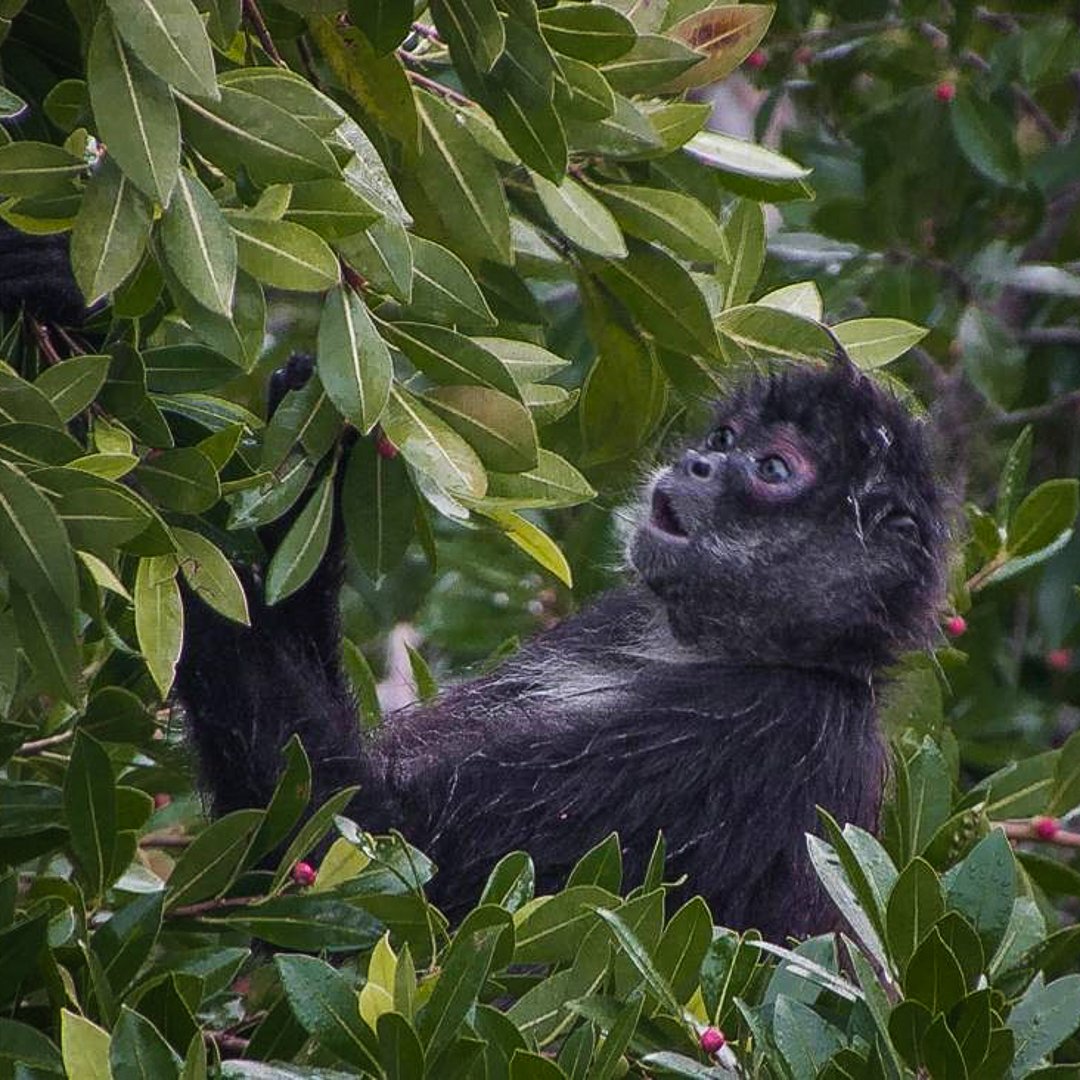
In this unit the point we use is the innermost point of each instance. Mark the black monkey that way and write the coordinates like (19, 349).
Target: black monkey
(780, 563)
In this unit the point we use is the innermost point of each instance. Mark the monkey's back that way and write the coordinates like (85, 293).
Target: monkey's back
(729, 761)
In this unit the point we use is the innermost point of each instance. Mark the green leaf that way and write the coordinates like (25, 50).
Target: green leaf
(400, 1050)
(246, 131)
(915, 904)
(26, 1046)
(934, 977)
(34, 168)
(110, 233)
(726, 34)
(653, 61)
(589, 97)
(354, 362)
(385, 24)
(34, 546)
(593, 32)
(803, 298)
(519, 99)
(99, 519)
(744, 235)
(982, 887)
(1045, 515)
(311, 923)
(378, 505)
(168, 36)
(198, 245)
(310, 834)
(526, 362)
(773, 332)
(137, 1050)
(210, 864)
(475, 26)
(72, 385)
(294, 93)
(463, 973)
(444, 291)
(432, 446)
(125, 942)
(873, 343)
(727, 154)
(553, 483)
(683, 946)
(805, 1039)
(1043, 1019)
(580, 217)
(211, 576)
(283, 254)
(1066, 791)
(1013, 476)
(326, 1006)
(331, 208)
(300, 553)
(540, 547)
(47, 636)
(183, 479)
(617, 1038)
(661, 296)
(179, 369)
(498, 427)
(985, 136)
(634, 951)
(90, 809)
(462, 182)
(135, 114)
(85, 1048)
(159, 618)
(677, 221)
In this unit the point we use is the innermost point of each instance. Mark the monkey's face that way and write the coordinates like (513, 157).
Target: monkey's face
(805, 524)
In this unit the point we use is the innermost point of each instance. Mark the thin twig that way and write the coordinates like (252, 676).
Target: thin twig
(48, 349)
(436, 87)
(258, 24)
(208, 907)
(39, 746)
(162, 840)
(1037, 413)
(1050, 335)
(1027, 832)
(1033, 109)
(428, 32)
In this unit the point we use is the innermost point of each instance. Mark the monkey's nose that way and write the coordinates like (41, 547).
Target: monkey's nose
(697, 465)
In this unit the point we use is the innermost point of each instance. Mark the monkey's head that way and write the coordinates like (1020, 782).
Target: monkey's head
(804, 526)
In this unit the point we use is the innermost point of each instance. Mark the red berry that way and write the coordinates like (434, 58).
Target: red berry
(955, 626)
(945, 90)
(161, 800)
(757, 59)
(303, 874)
(1046, 828)
(1059, 659)
(712, 1040)
(384, 447)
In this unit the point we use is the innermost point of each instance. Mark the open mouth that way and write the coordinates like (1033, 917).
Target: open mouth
(663, 516)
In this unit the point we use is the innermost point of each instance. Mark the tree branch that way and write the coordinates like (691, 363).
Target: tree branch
(39, 746)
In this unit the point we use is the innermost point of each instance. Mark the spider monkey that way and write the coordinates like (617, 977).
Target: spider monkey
(779, 563)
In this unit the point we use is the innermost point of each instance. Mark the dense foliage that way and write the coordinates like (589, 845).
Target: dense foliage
(521, 262)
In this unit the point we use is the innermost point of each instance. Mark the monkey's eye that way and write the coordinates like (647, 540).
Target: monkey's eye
(774, 469)
(722, 439)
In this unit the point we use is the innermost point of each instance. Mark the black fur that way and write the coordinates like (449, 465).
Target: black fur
(720, 698)
(35, 274)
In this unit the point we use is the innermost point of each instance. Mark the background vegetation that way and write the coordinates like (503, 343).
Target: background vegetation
(521, 260)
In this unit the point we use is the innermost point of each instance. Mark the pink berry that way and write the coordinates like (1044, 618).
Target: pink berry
(161, 800)
(757, 59)
(955, 626)
(384, 447)
(1059, 659)
(1046, 828)
(712, 1040)
(945, 91)
(303, 874)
